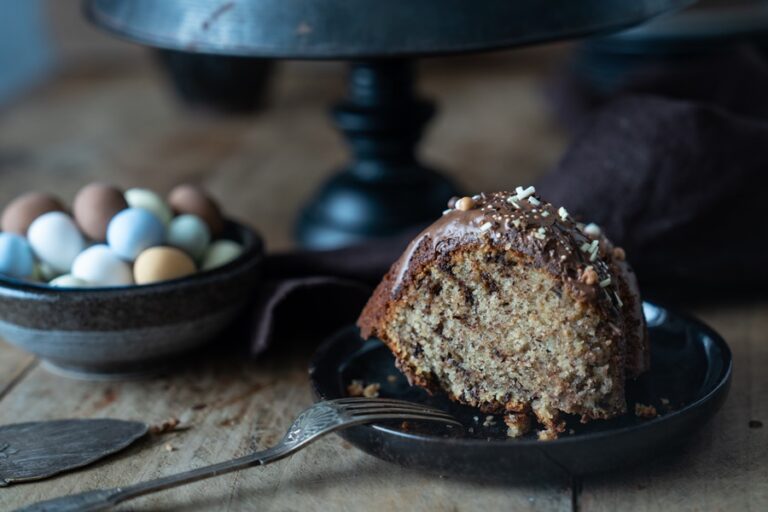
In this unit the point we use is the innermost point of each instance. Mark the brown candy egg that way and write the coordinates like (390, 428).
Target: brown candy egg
(193, 200)
(22, 211)
(94, 207)
(161, 264)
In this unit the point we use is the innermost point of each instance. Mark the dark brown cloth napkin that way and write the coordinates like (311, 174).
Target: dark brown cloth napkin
(674, 168)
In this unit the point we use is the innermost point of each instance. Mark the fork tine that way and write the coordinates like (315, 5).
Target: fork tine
(394, 410)
(359, 401)
(406, 416)
(359, 406)
(367, 405)
(354, 399)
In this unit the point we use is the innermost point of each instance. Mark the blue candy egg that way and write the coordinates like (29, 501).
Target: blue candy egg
(16, 259)
(132, 231)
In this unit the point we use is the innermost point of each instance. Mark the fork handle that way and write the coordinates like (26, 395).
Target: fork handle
(104, 499)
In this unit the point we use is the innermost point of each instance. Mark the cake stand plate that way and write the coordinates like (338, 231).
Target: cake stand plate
(344, 29)
(688, 382)
(382, 116)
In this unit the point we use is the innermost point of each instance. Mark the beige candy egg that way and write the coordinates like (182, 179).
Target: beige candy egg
(161, 264)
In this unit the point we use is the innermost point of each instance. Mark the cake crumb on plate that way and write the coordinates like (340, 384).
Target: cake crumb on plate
(518, 424)
(645, 411)
(358, 388)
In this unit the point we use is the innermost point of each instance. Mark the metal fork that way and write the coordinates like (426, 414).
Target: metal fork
(313, 423)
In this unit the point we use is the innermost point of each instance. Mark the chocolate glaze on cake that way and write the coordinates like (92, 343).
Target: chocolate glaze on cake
(465, 287)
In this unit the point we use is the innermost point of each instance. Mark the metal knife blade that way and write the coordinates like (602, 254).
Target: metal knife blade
(37, 450)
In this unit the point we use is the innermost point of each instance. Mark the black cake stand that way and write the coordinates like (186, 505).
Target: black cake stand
(384, 189)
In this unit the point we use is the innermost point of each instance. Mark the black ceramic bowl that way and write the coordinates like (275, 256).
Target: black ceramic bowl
(119, 332)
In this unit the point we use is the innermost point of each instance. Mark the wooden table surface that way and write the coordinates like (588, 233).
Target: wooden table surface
(120, 123)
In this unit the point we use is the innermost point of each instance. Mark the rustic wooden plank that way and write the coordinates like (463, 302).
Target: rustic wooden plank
(726, 468)
(13, 365)
(119, 125)
(123, 125)
(235, 407)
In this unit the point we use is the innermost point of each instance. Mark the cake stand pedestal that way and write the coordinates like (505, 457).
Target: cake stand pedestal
(384, 189)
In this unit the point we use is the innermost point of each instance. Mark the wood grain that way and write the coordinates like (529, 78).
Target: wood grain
(122, 126)
(234, 408)
(726, 466)
(119, 123)
(125, 127)
(13, 365)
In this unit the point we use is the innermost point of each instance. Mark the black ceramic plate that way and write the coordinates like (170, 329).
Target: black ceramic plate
(688, 382)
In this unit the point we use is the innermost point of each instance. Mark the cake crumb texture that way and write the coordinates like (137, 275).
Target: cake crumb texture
(532, 315)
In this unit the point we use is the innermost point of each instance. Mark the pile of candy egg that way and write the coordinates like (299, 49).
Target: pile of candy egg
(113, 238)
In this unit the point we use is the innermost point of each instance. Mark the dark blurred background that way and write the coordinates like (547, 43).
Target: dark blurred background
(77, 104)
(83, 105)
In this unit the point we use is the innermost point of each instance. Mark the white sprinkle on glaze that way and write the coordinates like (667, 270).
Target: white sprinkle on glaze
(605, 282)
(585, 247)
(618, 300)
(545, 213)
(516, 222)
(477, 197)
(592, 229)
(523, 193)
(534, 201)
(486, 226)
(563, 213)
(511, 200)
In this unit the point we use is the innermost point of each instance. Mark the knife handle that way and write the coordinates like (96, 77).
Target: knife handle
(91, 501)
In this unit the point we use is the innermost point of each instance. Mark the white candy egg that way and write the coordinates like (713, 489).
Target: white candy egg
(132, 231)
(220, 253)
(144, 198)
(190, 234)
(16, 258)
(69, 281)
(55, 239)
(99, 265)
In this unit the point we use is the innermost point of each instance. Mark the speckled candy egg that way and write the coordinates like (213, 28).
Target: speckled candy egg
(193, 200)
(100, 266)
(161, 264)
(94, 207)
(16, 258)
(147, 199)
(55, 239)
(220, 253)
(22, 211)
(190, 234)
(132, 231)
(69, 281)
